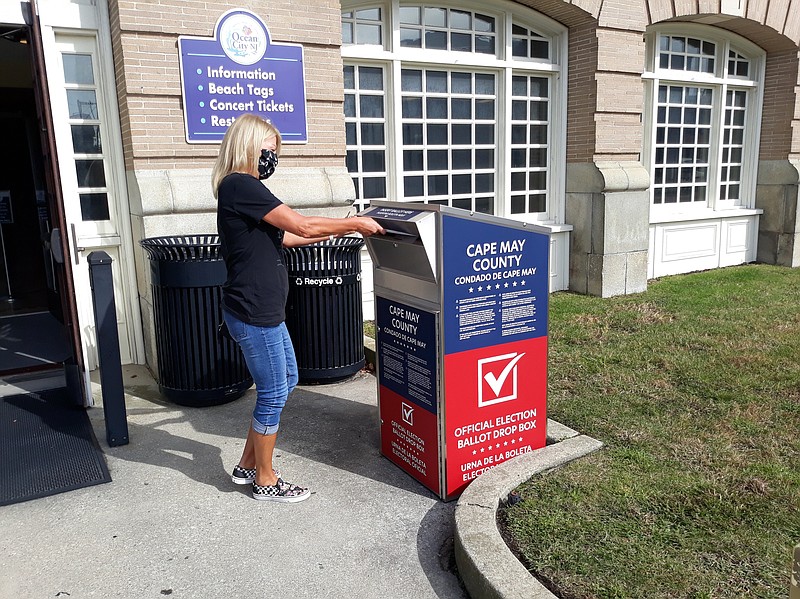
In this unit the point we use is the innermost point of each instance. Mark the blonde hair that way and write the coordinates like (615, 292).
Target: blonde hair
(241, 147)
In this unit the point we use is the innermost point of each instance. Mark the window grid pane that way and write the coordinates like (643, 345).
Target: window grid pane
(449, 150)
(530, 120)
(448, 29)
(365, 124)
(84, 121)
(527, 43)
(78, 69)
(680, 53)
(738, 65)
(683, 143)
(363, 27)
(733, 146)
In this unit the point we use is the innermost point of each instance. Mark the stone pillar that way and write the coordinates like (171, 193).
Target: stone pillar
(609, 207)
(779, 225)
(607, 200)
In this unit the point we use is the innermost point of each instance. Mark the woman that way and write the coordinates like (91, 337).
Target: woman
(253, 225)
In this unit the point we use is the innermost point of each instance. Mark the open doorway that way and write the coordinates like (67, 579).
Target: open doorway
(32, 332)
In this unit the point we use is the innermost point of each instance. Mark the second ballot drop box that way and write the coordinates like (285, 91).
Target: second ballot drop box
(461, 319)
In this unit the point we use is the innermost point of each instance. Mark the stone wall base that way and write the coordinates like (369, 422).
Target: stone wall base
(180, 202)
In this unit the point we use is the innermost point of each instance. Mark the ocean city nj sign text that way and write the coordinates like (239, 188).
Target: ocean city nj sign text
(241, 71)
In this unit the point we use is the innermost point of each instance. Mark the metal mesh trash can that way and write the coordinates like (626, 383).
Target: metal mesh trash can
(323, 312)
(195, 366)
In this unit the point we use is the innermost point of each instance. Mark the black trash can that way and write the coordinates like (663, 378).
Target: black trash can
(323, 312)
(195, 366)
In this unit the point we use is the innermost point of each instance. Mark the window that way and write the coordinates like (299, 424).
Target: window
(530, 110)
(362, 27)
(704, 120)
(527, 43)
(456, 107)
(683, 144)
(438, 28)
(365, 125)
(448, 137)
(84, 120)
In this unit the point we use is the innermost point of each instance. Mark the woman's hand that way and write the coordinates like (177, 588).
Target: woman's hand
(367, 226)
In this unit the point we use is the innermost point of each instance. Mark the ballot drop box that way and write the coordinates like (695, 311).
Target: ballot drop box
(461, 320)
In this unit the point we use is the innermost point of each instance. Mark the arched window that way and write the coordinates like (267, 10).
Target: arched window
(456, 105)
(703, 119)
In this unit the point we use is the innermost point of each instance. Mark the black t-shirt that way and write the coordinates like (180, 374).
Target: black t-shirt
(257, 284)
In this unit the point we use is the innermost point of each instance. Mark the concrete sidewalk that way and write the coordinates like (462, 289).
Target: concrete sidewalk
(171, 523)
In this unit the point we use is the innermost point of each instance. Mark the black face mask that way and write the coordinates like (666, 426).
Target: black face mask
(267, 163)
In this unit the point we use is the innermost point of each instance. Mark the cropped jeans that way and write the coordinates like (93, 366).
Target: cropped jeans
(270, 358)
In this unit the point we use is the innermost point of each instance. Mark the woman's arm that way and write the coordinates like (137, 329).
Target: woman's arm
(302, 230)
(290, 240)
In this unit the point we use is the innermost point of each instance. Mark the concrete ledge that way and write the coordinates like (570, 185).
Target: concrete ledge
(778, 172)
(369, 351)
(606, 176)
(485, 563)
(158, 192)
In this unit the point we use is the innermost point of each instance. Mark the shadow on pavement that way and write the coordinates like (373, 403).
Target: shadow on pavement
(316, 425)
(337, 432)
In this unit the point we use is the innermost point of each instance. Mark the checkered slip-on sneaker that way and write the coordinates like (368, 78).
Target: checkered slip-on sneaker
(280, 491)
(246, 476)
(243, 476)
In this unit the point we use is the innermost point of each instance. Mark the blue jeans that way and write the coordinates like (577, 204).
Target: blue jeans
(270, 358)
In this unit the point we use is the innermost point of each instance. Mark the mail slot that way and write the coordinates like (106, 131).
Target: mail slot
(461, 302)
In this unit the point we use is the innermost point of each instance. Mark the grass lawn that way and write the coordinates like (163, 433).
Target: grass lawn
(369, 328)
(694, 387)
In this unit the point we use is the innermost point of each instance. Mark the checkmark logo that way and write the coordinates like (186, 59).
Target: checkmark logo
(499, 373)
(407, 412)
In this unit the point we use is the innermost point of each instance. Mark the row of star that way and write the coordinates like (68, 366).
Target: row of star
(505, 444)
(497, 286)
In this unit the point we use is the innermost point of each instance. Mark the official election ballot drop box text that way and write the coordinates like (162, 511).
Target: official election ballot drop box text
(461, 319)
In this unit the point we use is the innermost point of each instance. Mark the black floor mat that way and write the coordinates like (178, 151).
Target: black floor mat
(31, 340)
(47, 447)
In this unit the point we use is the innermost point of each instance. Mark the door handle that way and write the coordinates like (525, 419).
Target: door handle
(55, 246)
(75, 245)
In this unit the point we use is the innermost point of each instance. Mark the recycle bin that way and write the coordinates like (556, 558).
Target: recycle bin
(323, 312)
(196, 367)
(461, 320)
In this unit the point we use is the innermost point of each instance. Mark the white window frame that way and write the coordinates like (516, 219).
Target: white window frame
(394, 57)
(358, 179)
(721, 82)
(86, 45)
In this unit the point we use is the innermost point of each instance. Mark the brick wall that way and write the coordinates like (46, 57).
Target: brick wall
(581, 93)
(629, 15)
(144, 37)
(620, 62)
(782, 17)
(606, 58)
(780, 104)
(570, 13)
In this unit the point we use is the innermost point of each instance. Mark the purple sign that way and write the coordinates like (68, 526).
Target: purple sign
(241, 71)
